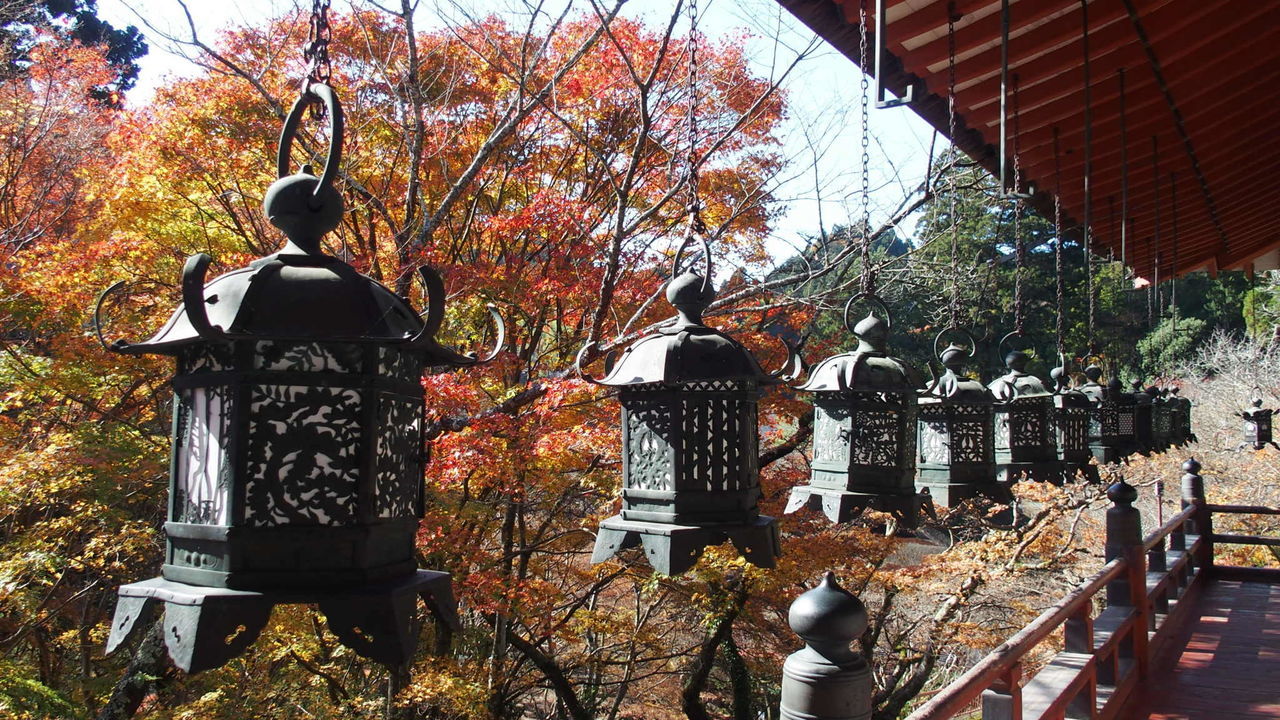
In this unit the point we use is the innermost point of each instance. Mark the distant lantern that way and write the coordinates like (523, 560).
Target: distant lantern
(1025, 445)
(1126, 418)
(864, 429)
(690, 443)
(1180, 418)
(1257, 424)
(955, 446)
(1161, 418)
(1106, 442)
(297, 455)
(1071, 424)
(1143, 418)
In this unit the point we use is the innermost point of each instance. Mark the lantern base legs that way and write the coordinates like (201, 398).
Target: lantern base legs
(844, 505)
(673, 549)
(1071, 469)
(1050, 472)
(206, 627)
(1105, 454)
(947, 495)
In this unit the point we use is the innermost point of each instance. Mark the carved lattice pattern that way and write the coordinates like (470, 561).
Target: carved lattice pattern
(648, 445)
(1027, 426)
(831, 434)
(1073, 428)
(307, 357)
(303, 464)
(399, 458)
(1124, 422)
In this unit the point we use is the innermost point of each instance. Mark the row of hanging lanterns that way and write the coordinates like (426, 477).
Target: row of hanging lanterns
(297, 456)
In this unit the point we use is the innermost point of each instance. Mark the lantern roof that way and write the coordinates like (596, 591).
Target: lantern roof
(1017, 383)
(1064, 394)
(868, 368)
(954, 386)
(687, 350)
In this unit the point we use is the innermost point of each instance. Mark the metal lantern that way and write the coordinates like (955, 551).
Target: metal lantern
(1161, 418)
(1106, 441)
(1071, 425)
(297, 451)
(955, 445)
(690, 444)
(1143, 418)
(1024, 436)
(1257, 424)
(864, 429)
(1126, 414)
(1180, 420)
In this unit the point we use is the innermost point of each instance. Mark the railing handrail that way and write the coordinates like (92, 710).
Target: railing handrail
(1169, 527)
(969, 686)
(1242, 509)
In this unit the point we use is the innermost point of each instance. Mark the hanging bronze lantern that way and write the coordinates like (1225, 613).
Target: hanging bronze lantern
(864, 429)
(1161, 418)
(1143, 418)
(1257, 424)
(1105, 438)
(1126, 424)
(1071, 425)
(1180, 418)
(1025, 445)
(955, 445)
(297, 455)
(690, 444)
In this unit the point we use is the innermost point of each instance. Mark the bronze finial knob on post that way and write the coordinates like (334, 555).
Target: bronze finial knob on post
(827, 680)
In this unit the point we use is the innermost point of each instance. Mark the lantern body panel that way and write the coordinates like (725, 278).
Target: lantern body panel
(690, 454)
(864, 433)
(295, 465)
(1024, 439)
(862, 441)
(956, 449)
(1161, 424)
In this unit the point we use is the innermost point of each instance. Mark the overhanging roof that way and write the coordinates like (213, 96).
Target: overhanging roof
(1198, 98)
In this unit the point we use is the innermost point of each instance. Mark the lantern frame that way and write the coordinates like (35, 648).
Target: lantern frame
(690, 438)
(865, 409)
(1025, 441)
(957, 412)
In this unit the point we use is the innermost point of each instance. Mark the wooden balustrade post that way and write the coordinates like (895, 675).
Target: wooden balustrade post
(827, 680)
(1124, 540)
(1202, 525)
(1003, 700)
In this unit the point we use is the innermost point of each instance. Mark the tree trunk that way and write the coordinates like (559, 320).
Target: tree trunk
(148, 672)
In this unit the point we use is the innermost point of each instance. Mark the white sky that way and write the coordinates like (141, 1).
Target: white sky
(823, 95)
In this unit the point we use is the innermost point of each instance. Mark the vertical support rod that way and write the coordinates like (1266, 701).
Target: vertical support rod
(1124, 177)
(1155, 258)
(1004, 97)
(882, 51)
(1173, 271)
(827, 680)
(1088, 168)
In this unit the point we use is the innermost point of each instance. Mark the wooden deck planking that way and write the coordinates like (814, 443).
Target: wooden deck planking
(1230, 667)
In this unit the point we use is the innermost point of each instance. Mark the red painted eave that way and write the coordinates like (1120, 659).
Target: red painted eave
(1197, 102)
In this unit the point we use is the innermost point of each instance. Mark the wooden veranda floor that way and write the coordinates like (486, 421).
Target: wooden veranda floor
(1230, 665)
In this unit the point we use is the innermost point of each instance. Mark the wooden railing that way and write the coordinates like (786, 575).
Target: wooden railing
(1150, 585)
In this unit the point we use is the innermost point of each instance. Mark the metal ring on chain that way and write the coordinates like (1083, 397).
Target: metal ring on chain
(870, 297)
(324, 95)
(1011, 336)
(706, 251)
(973, 341)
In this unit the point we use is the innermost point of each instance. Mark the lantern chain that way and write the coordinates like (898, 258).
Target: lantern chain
(954, 310)
(696, 224)
(316, 51)
(868, 270)
(1019, 243)
(1060, 325)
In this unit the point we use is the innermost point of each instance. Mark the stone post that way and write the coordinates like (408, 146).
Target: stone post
(827, 680)
(1124, 539)
(1202, 525)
